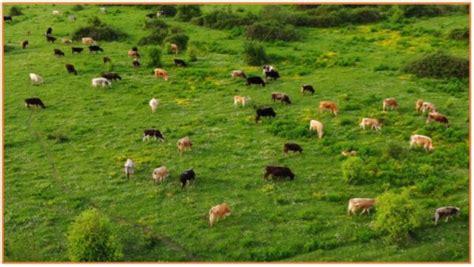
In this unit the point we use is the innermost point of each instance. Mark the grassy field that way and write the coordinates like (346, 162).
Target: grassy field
(69, 157)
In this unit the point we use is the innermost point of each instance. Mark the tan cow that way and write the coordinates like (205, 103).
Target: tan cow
(348, 153)
(56, 13)
(389, 103)
(238, 73)
(240, 100)
(154, 104)
(317, 126)
(365, 204)
(421, 140)
(184, 144)
(327, 105)
(419, 105)
(88, 41)
(435, 116)
(373, 123)
(133, 54)
(159, 174)
(67, 40)
(174, 48)
(161, 73)
(427, 106)
(217, 212)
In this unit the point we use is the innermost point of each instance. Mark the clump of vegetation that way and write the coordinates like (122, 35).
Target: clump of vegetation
(155, 24)
(8, 48)
(353, 170)
(289, 129)
(77, 8)
(187, 12)
(224, 19)
(438, 65)
(99, 31)
(272, 30)
(155, 57)
(254, 54)
(157, 36)
(397, 215)
(180, 39)
(15, 11)
(91, 238)
(416, 11)
(459, 34)
(192, 54)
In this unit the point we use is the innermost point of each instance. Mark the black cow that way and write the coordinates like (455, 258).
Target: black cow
(307, 88)
(107, 60)
(136, 63)
(95, 48)
(50, 38)
(76, 49)
(292, 147)
(255, 80)
(111, 76)
(58, 53)
(49, 31)
(34, 102)
(273, 74)
(153, 133)
(25, 44)
(70, 69)
(283, 98)
(180, 62)
(277, 171)
(7, 18)
(186, 176)
(264, 112)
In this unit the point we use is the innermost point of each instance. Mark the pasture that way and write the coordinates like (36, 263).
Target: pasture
(69, 157)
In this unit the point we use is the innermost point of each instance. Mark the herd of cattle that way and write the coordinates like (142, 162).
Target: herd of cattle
(270, 73)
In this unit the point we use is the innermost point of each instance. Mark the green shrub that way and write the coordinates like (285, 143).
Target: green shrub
(353, 170)
(416, 11)
(187, 12)
(91, 238)
(155, 24)
(77, 8)
(192, 54)
(8, 48)
(180, 39)
(224, 19)
(156, 37)
(395, 150)
(254, 54)
(397, 215)
(155, 57)
(289, 129)
(168, 10)
(438, 65)
(98, 31)
(459, 34)
(270, 31)
(15, 11)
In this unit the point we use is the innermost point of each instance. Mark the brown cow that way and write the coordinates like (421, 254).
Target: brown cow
(360, 203)
(327, 105)
(217, 212)
(389, 103)
(88, 41)
(348, 153)
(373, 123)
(240, 100)
(282, 97)
(421, 140)
(159, 174)
(184, 144)
(435, 116)
(174, 48)
(446, 212)
(238, 73)
(161, 73)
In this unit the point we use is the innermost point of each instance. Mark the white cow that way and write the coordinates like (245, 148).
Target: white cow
(101, 82)
(36, 79)
(317, 126)
(154, 104)
(129, 168)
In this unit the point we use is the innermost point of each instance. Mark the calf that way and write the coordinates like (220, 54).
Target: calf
(101, 82)
(88, 41)
(373, 123)
(264, 112)
(111, 76)
(159, 174)
(154, 104)
(161, 73)
(129, 165)
(389, 103)
(282, 97)
(421, 140)
(24, 44)
(292, 147)
(445, 212)
(217, 212)
(67, 40)
(240, 100)
(272, 75)
(307, 88)
(36, 79)
(255, 80)
(238, 73)
(106, 60)
(277, 171)
(186, 177)
(437, 117)
(174, 48)
(58, 53)
(365, 204)
(77, 50)
(34, 102)
(184, 144)
(327, 105)
(136, 63)
(8, 18)
(179, 62)
(95, 49)
(70, 69)
(153, 133)
(50, 38)
(317, 126)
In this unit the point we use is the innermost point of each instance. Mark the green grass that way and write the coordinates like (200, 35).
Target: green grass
(92, 131)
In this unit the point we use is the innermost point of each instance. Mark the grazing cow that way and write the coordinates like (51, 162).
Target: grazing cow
(8, 18)
(282, 97)
(25, 44)
(72, 18)
(445, 212)
(136, 63)
(161, 73)
(179, 62)
(292, 147)
(103, 10)
(159, 174)
(36, 79)
(365, 204)
(277, 171)
(156, 134)
(419, 105)
(106, 60)
(95, 49)
(217, 212)
(241, 100)
(101, 82)
(70, 69)
(50, 38)
(255, 80)
(264, 112)
(427, 106)
(317, 126)
(238, 73)
(267, 68)
(133, 53)
(111, 76)
(174, 48)
(389, 103)
(186, 176)
(154, 104)
(66, 40)
(351, 153)
(88, 41)
(373, 123)
(272, 75)
(421, 140)
(184, 144)
(56, 13)
(327, 105)
(34, 102)
(77, 50)
(129, 168)
(435, 116)
(58, 53)
(307, 88)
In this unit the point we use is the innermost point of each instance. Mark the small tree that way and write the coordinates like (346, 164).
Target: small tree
(91, 238)
(155, 57)
(187, 12)
(15, 11)
(254, 54)
(397, 215)
(192, 54)
(180, 39)
(353, 170)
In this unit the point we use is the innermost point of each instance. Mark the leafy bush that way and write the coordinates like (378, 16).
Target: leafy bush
(416, 11)
(395, 150)
(254, 54)
(168, 10)
(192, 54)
(397, 215)
(15, 11)
(187, 12)
(224, 19)
(272, 30)
(156, 37)
(289, 129)
(91, 238)
(155, 24)
(459, 34)
(353, 170)
(98, 31)
(438, 65)
(77, 8)
(8, 48)
(155, 57)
